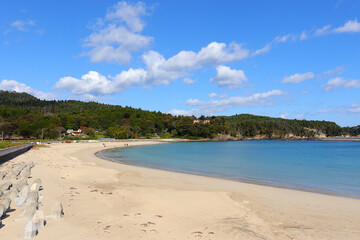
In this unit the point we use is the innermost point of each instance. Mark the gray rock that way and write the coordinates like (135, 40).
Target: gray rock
(20, 185)
(39, 220)
(29, 230)
(5, 186)
(29, 211)
(32, 197)
(35, 186)
(2, 210)
(22, 196)
(57, 210)
(13, 194)
(6, 202)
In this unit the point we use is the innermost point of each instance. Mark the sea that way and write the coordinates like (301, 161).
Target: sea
(330, 167)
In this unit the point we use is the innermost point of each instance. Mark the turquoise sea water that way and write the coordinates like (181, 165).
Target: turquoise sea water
(332, 167)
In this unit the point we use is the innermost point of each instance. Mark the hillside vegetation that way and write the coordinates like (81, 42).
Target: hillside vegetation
(25, 116)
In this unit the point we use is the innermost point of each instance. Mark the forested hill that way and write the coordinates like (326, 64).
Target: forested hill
(25, 116)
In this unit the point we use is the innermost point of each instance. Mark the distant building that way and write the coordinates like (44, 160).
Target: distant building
(69, 131)
(79, 132)
(201, 121)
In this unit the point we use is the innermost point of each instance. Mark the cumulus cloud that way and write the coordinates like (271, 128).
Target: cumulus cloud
(163, 71)
(12, 85)
(157, 71)
(212, 54)
(188, 81)
(298, 77)
(350, 26)
(340, 82)
(212, 95)
(118, 35)
(94, 84)
(227, 77)
(212, 106)
(22, 25)
(128, 13)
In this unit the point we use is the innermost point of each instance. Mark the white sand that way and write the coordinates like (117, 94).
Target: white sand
(107, 200)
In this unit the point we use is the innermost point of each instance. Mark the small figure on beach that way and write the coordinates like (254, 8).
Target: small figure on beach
(104, 144)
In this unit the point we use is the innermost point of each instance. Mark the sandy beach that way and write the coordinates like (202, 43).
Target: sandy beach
(108, 200)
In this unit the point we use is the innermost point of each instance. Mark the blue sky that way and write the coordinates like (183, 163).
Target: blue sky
(290, 59)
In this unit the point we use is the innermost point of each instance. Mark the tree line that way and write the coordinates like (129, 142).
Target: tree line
(23, 115)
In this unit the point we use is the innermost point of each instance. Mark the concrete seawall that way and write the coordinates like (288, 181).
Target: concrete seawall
(11, 152)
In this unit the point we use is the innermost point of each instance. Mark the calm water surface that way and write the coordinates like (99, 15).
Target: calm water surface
(310, 165)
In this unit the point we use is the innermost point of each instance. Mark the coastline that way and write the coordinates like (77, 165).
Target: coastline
(100, 155)
(108, 200)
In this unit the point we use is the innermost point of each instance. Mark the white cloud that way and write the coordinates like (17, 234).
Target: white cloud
(22, 25)
(117, 36)
(188, 81)
(212, 95)
(130, 14)
(340, 82)
(212, 54)
(179, 112)
(95, 84)
(333, 72)
(12, 85)
(299, 116)
(322, 31)
(326, 110)
(281, 39)
(227, 77)
(298, 77)
(355, 108)
(157, 71)
(350, 26)
(225, 95)
(162, 71)
(262, 50)
(212, 107)
(129, 78)
(303, 36)
(283, 115)
(90, 83)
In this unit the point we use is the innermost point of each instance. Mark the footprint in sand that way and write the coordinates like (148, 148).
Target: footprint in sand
(199, 234)
(153, 231)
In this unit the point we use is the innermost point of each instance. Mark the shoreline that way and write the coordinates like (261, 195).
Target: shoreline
(242, 180)
(104, 200)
